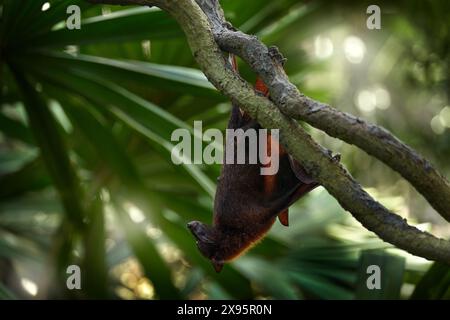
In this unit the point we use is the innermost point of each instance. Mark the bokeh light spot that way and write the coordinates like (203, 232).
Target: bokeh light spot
(383, 98)
(323, 47)
(354, 49)
(366, 101)
(29, 286)
(135, 213)
(45, 6)
(444, 116)
(436, 125)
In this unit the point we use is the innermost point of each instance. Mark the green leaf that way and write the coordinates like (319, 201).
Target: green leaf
(146, 118)
(15, 14)
(435, 283)
(194, 279)
(19, 248)
(5, 293)
(126, 25)
(230, 279)
(95, 272)
(271, 280)
(30, 177)
(143, 248)
(99, 136)
(45, 20)
(172, 78)
(320, 287)
(53, 150)
(391, 269)
(13, 159)
(166, 148)
(15, 129)
(94, 132)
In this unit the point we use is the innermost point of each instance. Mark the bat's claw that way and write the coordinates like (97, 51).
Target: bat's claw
(336, 157)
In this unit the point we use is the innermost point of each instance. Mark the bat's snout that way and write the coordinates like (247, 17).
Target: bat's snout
(197, 229)
(205, 242)
(193, 226)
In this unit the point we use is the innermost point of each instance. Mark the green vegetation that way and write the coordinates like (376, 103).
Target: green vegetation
(86, 175)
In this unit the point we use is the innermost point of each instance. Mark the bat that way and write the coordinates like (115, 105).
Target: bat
(246, 202)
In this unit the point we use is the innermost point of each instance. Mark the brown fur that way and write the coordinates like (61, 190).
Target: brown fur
(247, 203)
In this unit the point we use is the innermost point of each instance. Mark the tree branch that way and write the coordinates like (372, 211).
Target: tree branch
(376, 141)
(316, 160)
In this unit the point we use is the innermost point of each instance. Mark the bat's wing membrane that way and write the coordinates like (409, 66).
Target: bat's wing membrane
(291, 181)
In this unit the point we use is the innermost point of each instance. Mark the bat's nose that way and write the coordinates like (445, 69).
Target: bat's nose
(191, 225)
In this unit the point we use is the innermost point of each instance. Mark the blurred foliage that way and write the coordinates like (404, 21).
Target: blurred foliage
(86, 176)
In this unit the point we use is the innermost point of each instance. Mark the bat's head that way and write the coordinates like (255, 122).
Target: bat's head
(206, 242)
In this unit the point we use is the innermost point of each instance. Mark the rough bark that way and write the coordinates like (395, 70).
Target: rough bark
(204, 44)
(375, 140)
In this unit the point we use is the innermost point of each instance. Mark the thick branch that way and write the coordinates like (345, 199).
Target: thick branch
(316, 160)
(375, 140)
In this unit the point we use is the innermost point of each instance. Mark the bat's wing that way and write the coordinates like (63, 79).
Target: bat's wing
(283, 188)
(286, 186)
(290, 182)
(283, 216)
(261, 87)
(299, 172)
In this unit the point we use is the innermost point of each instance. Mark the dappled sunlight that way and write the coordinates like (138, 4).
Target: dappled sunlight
(45, 6)
(89, 177)
(354, 49)
(133, 284)
(323, 47)
(29, 286)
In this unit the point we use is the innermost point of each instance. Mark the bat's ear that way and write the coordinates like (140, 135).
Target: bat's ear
(218, 265)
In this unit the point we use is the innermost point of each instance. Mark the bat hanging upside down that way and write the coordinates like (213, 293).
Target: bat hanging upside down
(247, 203)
